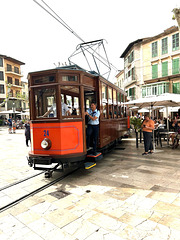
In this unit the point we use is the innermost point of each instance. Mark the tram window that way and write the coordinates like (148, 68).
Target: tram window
(44, 79)
(110, 102)
(114, 97)
(115, 111)
(45, 102)
(104, 100)
(118, 97)
(70, 96)
(70, 78)
(118, 107)
(87, 104)
(119, 112)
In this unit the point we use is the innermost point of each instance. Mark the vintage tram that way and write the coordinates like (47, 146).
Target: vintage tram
(57, 140)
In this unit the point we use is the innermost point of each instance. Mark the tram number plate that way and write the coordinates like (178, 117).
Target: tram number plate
(46, 133)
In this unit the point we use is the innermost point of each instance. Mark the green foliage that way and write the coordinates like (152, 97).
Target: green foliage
(136, 122)
(1, 122)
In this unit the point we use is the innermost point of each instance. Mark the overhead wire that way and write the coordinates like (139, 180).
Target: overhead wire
(62, 22)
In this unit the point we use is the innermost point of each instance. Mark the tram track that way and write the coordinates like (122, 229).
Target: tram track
(25, 196)
(20, 181)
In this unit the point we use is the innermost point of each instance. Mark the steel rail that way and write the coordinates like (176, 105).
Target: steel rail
(20, 181)
(15, 202)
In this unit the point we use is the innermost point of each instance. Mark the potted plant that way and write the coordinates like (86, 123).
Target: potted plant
(136, 122)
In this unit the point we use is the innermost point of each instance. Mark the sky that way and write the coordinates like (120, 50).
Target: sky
(32, 36)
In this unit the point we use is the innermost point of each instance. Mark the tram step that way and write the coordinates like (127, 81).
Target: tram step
(89, 165)
(94, 158)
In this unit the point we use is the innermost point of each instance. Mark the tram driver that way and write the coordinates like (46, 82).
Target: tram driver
(93, 126)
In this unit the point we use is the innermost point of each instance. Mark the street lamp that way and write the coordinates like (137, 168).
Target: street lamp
(13, 107)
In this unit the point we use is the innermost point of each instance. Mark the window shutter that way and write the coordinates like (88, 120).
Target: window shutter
(175, 66)
(164, 69)
(155, 71)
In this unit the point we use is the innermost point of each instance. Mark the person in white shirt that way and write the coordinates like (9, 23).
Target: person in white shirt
(53, 113)
(93, 126)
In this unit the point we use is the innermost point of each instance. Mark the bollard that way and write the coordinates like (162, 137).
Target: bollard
(136, 138)
(140, 136)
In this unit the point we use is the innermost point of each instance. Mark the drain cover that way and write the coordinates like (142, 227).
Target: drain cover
(59, 194)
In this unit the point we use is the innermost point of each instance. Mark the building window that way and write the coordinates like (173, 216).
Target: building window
(1, 88)
(154, 71)
(164, 69)
(176, 88)
(1, 62)
(155, 89)
(9, 68)
(164, 45)
(143, 92)
(175, 66)
(132, 93)
(1, 75)
(175, 42)
(17, 82)
(16, 70)
(17, 93)
(9, 80)
(131, 57)
(154, 49)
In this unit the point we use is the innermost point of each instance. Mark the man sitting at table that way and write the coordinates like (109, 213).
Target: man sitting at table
(176, 126)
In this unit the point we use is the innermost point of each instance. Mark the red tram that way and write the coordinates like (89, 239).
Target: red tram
(58, 140)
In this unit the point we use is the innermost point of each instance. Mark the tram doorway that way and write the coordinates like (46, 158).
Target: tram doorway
(89, 97)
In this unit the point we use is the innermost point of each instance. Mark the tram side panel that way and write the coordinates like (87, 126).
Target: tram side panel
(66, 138)
(110, 130)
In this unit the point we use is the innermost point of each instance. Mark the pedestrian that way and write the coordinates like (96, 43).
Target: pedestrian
(14, 126)
(147, 128)
(93, 126)
(9, 121)
(27, 133)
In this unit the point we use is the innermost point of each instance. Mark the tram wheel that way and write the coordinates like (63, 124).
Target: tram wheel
(48, 174)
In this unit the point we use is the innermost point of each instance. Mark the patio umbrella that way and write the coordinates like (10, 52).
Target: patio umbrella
(142, 110)
(24, 114)
(166, 100)
(9, 112)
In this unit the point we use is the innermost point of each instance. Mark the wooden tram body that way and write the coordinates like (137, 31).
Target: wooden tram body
(57, 140)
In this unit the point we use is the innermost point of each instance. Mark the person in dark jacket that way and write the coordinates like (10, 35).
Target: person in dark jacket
(27, 132)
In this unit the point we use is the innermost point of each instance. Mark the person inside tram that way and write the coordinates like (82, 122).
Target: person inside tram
(93, 126)
(53, 113)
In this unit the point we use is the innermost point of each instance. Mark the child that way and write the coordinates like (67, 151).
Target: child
(14, 126)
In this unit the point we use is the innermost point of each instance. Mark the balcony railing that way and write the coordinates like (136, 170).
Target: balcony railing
(10, 70)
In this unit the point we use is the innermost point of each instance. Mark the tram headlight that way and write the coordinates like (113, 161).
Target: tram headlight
(46, 143)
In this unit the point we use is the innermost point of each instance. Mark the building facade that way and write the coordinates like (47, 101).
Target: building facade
(152, 65)
(120, 79)
(133, 77)
(161, 63)
(11, 94)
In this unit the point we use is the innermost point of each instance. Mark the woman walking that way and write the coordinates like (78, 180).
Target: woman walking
(147, 127)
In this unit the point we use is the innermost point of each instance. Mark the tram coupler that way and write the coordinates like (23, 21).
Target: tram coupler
(30, 161)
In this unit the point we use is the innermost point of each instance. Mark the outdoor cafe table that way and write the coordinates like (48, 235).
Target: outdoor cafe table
(164, 134)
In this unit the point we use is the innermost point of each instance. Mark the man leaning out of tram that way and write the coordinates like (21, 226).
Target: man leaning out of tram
(93, 126)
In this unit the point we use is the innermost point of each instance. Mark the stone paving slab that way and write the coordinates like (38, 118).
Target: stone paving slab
(126, 196)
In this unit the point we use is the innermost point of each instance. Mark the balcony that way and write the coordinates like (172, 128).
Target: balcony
(16, 73)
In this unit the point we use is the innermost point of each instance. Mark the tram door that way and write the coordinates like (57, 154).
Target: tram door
(89, 97)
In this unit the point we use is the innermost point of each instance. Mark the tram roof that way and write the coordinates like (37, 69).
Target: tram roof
(70, 67)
